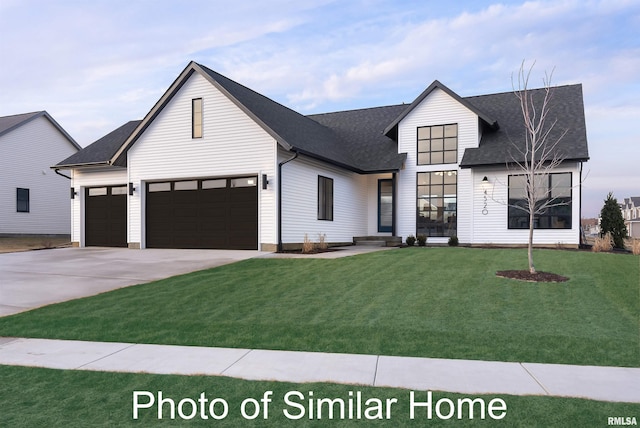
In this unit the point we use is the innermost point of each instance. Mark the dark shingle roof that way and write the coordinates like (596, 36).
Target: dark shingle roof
(499, 146)
(361, 140)
(361, 131)
(9, 123)
(101, 151)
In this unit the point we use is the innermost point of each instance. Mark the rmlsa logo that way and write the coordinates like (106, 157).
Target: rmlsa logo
(623, 421)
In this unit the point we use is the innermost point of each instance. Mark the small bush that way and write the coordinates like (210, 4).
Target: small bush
(453, 241)
(307, 245)
(322, 242)
(411, 240)
(422, 240)
(604, 243)
(635, 247)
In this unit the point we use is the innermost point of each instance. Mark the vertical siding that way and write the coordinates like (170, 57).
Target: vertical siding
(437, 109)
(83, 178)
(492, 228)
(27, 153)
(232, 144)
(300, 202)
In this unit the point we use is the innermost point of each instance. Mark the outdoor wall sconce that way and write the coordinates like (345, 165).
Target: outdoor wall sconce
(131, 189)
(485, 186)
(264, 181)
(73, 193)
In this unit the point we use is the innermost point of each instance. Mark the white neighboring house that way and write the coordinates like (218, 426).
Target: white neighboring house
(631, 214)
(215, 164)
(34, 200)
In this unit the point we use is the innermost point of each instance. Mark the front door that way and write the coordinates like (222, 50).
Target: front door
(385, 205)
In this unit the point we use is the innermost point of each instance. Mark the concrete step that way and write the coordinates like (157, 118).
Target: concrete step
(372, 243)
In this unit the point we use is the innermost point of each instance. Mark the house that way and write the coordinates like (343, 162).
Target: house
(631, 214)
(215, 164)
(33, 199)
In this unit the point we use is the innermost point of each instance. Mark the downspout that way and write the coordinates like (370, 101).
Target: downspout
(581, 242)
(57, 171)
(280, 199)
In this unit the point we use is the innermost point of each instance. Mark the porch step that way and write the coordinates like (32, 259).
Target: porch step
(378, 241)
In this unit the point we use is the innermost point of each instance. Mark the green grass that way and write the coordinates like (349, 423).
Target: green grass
(33, 397)
(432, 302)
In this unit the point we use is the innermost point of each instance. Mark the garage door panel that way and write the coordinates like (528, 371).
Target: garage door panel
(215, 215)
(106, 216)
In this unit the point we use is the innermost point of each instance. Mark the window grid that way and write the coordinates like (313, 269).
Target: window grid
(437, 144)
(437, 201)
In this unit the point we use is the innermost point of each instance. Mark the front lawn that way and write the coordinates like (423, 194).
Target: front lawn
(33, 397)
(430, 302)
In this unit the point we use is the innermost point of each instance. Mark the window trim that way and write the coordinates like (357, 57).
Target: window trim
(325, 198)
(431, 152)
(197, 129)
(23, 205)
(550, 212)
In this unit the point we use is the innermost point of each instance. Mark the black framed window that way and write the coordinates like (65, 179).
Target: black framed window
(437, 203)
(551, 189)
(325, 198)
(22, 200)
(196, 118)
(438, 144)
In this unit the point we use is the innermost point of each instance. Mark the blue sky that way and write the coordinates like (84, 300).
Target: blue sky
(95, 65)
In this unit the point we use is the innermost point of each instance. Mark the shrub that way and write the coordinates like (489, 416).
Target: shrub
(611, 221)
(603, 243)
(322, 242)
(453, 241)
(635, 247)
(411, 240)
(422, 240)
(307, 245)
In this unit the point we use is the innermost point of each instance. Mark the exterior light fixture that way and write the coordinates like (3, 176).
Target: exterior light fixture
(485, 186)
(264, 181)
(73, 193)
(131, 189)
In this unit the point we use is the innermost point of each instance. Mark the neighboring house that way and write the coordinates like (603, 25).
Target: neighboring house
(217, 165)
(631, 214)
(33, 198)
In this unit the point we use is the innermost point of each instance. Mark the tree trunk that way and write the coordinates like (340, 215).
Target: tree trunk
(532, 268)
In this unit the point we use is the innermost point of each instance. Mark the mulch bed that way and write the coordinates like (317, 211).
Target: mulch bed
(315, 251)
(525, 275)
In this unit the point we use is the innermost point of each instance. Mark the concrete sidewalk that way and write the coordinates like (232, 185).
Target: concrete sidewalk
(618, 384)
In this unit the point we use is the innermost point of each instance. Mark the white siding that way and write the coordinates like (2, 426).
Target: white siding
(492, 228)
(437, 109)
(83, 178)
(300, 202)
(232, 144)
(26, 155)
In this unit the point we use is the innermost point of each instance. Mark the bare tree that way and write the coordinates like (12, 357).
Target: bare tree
(538, 155)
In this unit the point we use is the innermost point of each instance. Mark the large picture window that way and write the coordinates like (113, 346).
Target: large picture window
(437, 203)
(551, 189)
(325, 198)
(22, 200)
(438, 144)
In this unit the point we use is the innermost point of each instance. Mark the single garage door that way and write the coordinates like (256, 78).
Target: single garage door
(204, 213)
(106, 216)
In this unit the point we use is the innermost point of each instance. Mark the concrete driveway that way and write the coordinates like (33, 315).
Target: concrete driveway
(32, 279)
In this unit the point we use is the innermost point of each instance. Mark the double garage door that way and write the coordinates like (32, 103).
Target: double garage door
(200, 213)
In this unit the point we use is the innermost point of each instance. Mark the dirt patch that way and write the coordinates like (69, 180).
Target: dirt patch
(26, 243)
(315, 251)
(525, 275)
